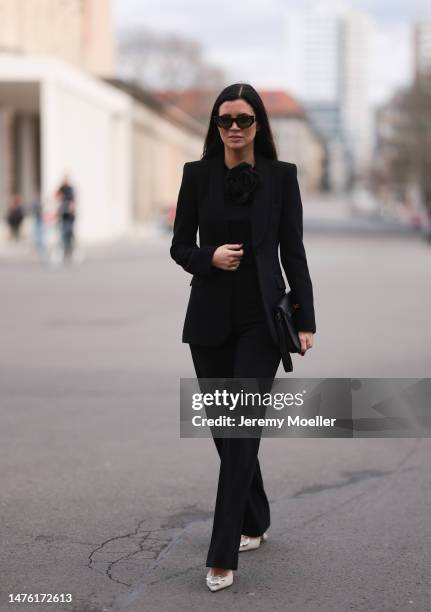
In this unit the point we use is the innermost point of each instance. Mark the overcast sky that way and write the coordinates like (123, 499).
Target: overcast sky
(245, 37)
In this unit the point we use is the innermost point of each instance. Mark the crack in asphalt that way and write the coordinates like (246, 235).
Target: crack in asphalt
(371, 489)
(351, 477)
(116, 556)
(129, 558)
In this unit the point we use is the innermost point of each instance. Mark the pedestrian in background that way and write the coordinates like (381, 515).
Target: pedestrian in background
(38, 223)
(15, 216)
(66, 215)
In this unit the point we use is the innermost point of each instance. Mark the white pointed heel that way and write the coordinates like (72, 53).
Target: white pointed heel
(217, 582)
(249, 543)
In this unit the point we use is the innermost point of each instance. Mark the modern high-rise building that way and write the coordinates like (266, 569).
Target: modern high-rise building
(354, 72)
(311, 54)
(78, 31)
(326, 67)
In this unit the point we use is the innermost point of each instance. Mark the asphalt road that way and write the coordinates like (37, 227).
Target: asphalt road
(102, 499)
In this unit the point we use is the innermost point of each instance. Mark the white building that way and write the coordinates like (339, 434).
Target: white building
(311, 54)
(326, 66)
(56, 119)
(123, 155)
(354, 86)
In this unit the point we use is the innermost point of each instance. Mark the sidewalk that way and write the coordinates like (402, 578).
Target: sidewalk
(330, 213)
(24, 251)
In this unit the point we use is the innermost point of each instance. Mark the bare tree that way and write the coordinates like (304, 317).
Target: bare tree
(410, 161)
(165, 61)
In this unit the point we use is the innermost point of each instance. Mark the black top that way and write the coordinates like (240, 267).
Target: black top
(67, 198)
(239, 186)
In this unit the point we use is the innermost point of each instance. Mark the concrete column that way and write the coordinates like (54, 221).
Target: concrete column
(27, 158)
(6, 158)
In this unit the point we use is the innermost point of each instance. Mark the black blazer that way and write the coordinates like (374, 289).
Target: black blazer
(276, 220)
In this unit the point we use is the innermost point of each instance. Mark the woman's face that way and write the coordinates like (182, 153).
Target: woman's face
(234, 137)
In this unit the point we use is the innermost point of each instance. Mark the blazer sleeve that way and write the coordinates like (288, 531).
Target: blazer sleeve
(184, 250)
(292, 252)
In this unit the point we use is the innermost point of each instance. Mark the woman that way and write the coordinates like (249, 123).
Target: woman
(66, 214)
(15, 216)
(245, 204)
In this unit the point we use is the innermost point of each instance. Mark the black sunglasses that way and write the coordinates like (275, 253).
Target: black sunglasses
(226, 121)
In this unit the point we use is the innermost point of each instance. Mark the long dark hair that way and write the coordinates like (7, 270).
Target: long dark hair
(263, 142)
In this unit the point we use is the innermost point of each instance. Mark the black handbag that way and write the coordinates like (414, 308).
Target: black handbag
(288, 337)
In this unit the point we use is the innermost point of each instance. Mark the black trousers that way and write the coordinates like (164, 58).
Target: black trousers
(241, 506)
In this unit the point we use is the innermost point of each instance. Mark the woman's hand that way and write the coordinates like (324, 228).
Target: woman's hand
(306, 339)
(228, 256)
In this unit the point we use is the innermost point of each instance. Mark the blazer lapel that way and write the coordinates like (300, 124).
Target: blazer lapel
(260, 206)
(262, 200)
(219, 226)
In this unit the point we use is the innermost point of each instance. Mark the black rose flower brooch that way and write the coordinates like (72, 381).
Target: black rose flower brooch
(240, 183)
